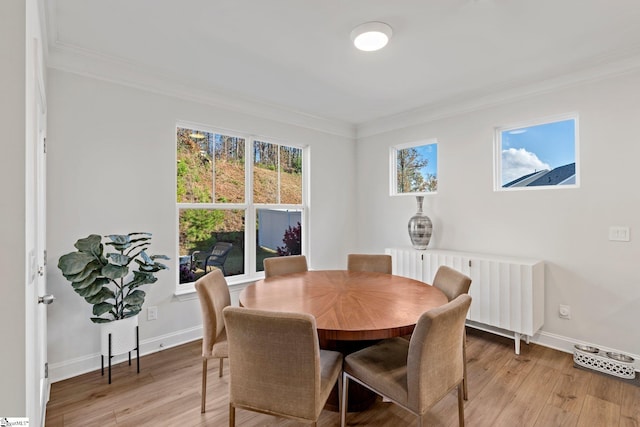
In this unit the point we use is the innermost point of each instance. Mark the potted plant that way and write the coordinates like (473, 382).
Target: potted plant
(108, 283)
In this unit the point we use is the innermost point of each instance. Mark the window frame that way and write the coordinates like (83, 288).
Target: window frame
(497, 151)
(393, 165)
(250, 220)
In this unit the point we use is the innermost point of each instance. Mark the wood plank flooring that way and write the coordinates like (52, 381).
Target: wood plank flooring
(538, 388)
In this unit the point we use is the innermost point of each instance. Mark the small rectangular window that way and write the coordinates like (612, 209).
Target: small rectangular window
(541, 154)
(414, 168)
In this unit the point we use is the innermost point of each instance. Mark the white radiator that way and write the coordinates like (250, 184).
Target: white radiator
(507, 292)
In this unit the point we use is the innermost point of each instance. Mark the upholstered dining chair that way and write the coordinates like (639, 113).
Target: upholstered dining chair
(213, 294)
(276, 266)
(453, 283)
(369, 262)
(276, 365)
(415, 374)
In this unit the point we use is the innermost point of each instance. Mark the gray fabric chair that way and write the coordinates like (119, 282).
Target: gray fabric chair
(276, 365)
(276, 266)
(367, 262)
(415, 374)
(453, 284)
(213, 294)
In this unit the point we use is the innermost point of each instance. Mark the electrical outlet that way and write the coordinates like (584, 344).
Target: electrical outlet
(564, 311)
(152, 313)
(619, 233)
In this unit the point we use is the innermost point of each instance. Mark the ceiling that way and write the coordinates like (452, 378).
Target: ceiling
(297, 55)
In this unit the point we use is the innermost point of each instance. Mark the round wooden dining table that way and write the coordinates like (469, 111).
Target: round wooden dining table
(347, 305)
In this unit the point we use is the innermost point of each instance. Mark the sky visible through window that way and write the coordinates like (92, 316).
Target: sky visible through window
(430, 153)
(538, 147)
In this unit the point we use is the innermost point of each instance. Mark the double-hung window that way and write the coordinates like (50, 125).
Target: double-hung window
(239, 190)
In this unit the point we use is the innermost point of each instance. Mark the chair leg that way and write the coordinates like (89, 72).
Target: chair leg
(460, 406)
(232, 415)
(204, 384)
(344, 399)
(221, 366)
(465, 391)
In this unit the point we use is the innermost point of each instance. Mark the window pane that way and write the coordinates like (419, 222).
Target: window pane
(278, 234)
(277, 173)
(538, 155)
(195, 166)
(200, 230)
(265, 172)
(417, 169)
(199, 155)
(229, 168)
(290, 175)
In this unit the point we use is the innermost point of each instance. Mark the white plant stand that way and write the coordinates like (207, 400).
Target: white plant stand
(119, 337)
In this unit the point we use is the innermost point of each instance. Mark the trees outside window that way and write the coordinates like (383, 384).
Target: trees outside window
(414, 168)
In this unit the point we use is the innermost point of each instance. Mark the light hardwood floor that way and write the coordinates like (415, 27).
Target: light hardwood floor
(539, 388)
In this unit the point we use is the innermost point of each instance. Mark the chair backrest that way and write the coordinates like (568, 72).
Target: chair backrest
(276, 266)
(451, 282)
(221, 250)
(366, 262)
(435, 362)
(214, 296)
(274, 361)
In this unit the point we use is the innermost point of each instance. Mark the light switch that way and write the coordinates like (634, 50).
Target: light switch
(619, 233)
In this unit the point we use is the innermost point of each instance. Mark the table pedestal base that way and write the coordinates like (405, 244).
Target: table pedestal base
(360, 397)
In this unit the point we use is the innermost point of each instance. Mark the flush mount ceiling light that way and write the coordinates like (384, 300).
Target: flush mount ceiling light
(371, 36)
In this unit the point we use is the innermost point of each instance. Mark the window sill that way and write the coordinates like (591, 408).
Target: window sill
(187, 291)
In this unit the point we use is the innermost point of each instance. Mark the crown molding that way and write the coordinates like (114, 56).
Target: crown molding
(502, 95)
(91, 64)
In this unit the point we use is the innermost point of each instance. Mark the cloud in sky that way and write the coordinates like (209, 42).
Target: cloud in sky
(517, 162)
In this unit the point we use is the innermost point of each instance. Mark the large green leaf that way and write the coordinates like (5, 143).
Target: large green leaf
(119, 241)
(102, 308)
(118, 259)
(89, 280)
(104, 294)
(100, 320)
(89, 291)
(91, 267)
(74, 262)
(141, 278)
(112, 271)
(89, 244)
(135, 298)
(133, 310)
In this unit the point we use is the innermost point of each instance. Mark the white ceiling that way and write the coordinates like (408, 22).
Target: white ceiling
(297, 55)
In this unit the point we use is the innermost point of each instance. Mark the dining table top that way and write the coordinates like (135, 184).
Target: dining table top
(347, 305)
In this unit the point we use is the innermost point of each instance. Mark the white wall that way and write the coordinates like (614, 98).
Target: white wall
(111, 169)
(12, 226)
(567, 228)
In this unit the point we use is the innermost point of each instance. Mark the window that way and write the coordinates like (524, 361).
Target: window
(541, 154)
(240, 190)
(414, 168)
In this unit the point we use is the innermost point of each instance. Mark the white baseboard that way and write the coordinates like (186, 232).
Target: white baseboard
(554, 341)
(82, 365)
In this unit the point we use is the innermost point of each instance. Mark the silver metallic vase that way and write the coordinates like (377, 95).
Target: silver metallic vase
(420, 227)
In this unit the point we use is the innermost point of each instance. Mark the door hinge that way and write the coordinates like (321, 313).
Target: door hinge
(44, 145)
(44, 256)
(46, 369)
